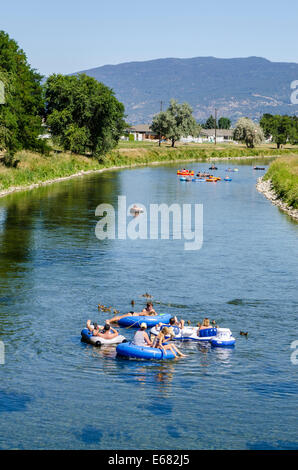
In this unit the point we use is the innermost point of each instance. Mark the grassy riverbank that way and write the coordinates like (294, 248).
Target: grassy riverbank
(34, 168)
(283, 174)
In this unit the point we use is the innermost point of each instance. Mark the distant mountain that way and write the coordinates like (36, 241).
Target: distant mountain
(236, 87)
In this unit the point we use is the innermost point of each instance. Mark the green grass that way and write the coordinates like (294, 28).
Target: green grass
(283, 174)
(35, 168)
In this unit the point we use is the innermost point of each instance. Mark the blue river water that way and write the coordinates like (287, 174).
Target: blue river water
(59, 393)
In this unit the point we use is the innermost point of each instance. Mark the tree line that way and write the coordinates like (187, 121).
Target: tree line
(177, 121)
(84, 115)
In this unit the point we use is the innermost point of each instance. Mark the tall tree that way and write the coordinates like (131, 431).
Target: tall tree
(20, 115)
(248, 132)
(224, 123)
(83, 114)
(176, 122)
(210, 123)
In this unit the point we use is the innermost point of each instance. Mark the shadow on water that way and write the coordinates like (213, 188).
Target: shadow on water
(246, 302)
(89, 435)
(13, 401)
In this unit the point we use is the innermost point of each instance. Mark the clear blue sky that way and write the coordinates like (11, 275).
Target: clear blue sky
(68, 35)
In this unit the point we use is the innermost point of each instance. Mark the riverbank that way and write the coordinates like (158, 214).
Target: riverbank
(280, 185)
(34, 170)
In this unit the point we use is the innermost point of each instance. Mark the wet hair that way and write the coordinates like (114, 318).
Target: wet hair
(106, 327)
(172, 321)
(149, 304)
(165, 330)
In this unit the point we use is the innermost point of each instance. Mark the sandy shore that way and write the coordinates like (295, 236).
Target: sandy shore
(265, 187)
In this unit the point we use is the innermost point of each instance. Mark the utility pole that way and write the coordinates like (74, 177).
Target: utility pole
(159, 142)
(215, 125)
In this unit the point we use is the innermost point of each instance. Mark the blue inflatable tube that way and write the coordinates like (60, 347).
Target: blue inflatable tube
(134, 321)
(216, 343)
(142, 352)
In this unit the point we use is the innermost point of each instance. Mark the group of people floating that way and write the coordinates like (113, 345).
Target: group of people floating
(141, 337)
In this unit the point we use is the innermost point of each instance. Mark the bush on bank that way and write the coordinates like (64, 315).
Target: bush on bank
(283, 174)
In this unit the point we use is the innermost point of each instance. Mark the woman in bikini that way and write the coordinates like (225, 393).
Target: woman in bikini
(161, 338)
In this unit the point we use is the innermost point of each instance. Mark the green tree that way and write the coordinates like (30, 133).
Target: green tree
(176, 122)
(282, 129)
(83, 114)
(20, 115)
(224, 123)
(266, 123)
(248, 132)
(210, 123)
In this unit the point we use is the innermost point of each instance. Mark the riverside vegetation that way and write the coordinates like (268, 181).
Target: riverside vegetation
(283, 175)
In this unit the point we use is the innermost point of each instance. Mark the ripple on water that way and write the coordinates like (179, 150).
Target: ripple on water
(264, 445)
(278, 389)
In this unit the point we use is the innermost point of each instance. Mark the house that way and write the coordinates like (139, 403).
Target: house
(222, 135)
(142, 132)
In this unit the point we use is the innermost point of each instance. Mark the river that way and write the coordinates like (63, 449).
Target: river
(59, 393)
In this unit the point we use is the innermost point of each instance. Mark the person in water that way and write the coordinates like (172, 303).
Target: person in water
(205, 324)
(161, 338)
(90, 325)
(175, 322)
(141, 337)
(148, 310)
(107, 332)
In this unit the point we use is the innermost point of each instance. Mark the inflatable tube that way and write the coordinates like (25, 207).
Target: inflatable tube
(227, 179)
(87, 337)
(137, 210)
(134, 321)
(185, 173)
(199, 180)
(213, 168)
(223, 339)
(188, 333)
(183, 178)
(142, 352)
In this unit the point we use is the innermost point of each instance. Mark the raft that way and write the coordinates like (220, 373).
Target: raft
(199, 180)
(134, 321)
(188, 333)
(142, 352)
(223, 339)
(227, 179)
(87, 337)
(185, 172)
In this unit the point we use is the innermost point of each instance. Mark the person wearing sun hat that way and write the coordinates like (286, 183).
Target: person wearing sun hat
(141, 337)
